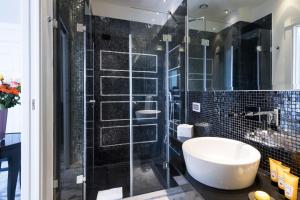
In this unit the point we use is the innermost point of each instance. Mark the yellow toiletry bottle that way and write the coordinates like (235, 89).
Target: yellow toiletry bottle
(280, 173)
(273, 170)
(290, 186)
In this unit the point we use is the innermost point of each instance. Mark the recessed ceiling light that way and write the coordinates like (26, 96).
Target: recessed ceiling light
(203, 6)
(165, 1)
(226, 12)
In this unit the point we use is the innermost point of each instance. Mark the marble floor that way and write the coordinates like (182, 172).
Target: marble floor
(148, 176)
(184, 192)
(3, 185)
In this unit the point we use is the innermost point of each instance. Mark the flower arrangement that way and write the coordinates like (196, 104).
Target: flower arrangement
(9, 93)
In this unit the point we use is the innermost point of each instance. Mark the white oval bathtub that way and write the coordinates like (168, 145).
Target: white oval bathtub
(221, 163)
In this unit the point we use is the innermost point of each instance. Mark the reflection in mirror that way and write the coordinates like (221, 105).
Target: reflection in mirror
(296, 58)
(243, 46)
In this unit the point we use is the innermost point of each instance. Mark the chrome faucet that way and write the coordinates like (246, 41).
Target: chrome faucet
(272, 116)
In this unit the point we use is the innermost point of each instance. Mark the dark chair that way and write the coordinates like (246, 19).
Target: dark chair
(10, 151)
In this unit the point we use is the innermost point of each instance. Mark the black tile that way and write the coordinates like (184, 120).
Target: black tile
(217, 109)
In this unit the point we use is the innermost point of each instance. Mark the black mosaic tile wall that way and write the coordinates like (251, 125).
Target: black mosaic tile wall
(218, 108)
(111, 90)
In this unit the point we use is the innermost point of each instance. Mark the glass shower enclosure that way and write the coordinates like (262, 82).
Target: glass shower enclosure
(116, 97)
(131, 146)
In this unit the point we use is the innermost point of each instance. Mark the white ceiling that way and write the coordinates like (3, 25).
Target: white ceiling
(215, 10)
(149, 5)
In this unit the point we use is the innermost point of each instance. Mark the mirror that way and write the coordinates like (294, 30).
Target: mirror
(243, 45)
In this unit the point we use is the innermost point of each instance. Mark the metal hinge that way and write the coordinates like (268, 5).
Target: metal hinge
(259, 48)
(53, 21)
(80, 179)
(33, 104)
(165, 165)
(205, 42)
(187, 39)
(167, 38)
(55, 183)
(81, 28)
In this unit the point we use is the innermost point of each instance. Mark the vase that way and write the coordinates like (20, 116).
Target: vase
(3, 120)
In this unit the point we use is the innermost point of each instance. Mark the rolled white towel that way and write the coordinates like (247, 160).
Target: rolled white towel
(111, 194)
(185, 130)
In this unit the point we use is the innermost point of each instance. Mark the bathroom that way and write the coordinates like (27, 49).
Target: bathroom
(136, 81)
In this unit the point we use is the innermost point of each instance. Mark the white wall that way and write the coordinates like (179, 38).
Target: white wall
(101, 8)
(286, 14)
(10, 11)
(11, 54)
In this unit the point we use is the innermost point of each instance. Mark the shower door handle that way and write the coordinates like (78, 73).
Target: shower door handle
(92, 101)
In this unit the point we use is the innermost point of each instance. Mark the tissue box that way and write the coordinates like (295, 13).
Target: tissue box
(185, 130)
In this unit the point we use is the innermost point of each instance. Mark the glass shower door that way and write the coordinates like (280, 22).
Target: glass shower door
(108, 167)
(149, 140)
(69, 95)
(198, 68)
(210, 59)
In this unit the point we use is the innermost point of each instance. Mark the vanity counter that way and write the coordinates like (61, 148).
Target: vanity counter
(262, 182)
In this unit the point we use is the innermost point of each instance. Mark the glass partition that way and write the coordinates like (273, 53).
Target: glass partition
(119, 89)
(69, 96)
(210, 57)
(149, 62)
(109, 143)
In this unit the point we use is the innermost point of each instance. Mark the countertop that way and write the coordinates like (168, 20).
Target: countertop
(262, 182)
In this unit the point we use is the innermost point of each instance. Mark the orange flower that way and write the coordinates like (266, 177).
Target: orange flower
(14, 91)
(8, 90)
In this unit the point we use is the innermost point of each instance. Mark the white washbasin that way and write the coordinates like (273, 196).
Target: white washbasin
(221, 163)
(144, 114)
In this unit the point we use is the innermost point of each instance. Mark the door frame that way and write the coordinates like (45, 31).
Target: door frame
(37, 100)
